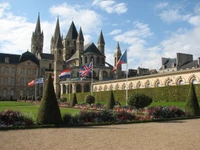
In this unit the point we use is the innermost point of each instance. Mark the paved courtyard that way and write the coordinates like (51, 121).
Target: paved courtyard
(172, 135)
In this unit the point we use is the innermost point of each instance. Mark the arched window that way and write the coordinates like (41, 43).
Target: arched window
(98, 60)
(85, 60)
(194, 81)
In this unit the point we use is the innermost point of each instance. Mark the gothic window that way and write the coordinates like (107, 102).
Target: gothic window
(72, 51)
(102, 60)
(180, 82)
(67, 43)
(50, 66)
(85, 60)
(194, 81)
(74, 42)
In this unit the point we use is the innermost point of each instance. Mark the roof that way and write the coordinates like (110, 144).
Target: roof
(169, 62)
(13, 58)
(47, 56)
(91, 48)
(72, 32)
(189, 65)
(28, 56)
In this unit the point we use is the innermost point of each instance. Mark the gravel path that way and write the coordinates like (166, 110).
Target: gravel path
(172, 135)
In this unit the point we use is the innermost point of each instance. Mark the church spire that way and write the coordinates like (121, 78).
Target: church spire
(72, 32)
(38, 28)
(80, 35)
(57, 29)
(101, 43)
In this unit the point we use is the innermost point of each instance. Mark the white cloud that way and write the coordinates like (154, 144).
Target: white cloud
(114, 32)
(111, 6)
(161, 5)
(173, 15)
(89, 20)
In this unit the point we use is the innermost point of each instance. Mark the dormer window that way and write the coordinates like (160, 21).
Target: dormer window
(7, 60)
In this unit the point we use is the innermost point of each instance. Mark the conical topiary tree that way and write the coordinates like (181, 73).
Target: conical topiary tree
(49, 112)
(111, 101)
(192, 105)
(74, 101)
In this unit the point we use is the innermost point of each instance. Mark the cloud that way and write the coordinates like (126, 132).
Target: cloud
(110, 6)
(173, 15)
(161, 5)
(114, 32)
(89, 20)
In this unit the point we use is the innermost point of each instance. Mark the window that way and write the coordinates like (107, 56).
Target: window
(6, 70)
(98, 60)
(4, 93)
(13, 81)
(22, 81)
(12, 92)
(34, 72)
(5, 80)
(49, 66)
(7, 60)
(22, 70)
(85, 60)
(13, 70)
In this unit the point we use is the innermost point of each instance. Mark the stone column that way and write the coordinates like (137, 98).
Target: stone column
(61, 89)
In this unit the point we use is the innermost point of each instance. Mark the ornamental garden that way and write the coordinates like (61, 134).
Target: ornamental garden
(51, 112)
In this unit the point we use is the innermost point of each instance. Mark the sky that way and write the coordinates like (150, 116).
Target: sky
(148, 29)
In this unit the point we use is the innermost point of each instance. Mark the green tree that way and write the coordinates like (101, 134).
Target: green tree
(139, 100)
(111, 101)
(192, 105)
(49, 112)
(74, 100)
(90, 99)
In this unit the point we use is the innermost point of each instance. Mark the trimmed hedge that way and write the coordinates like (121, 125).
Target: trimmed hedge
(160, 94)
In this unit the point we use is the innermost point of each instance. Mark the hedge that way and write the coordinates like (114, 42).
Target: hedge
(159, 94)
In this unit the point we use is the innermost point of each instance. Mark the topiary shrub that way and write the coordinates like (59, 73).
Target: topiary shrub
(49, 112)
(74, 101)
(192, 105)
(111, 101)
(90, 99)
(139, 100)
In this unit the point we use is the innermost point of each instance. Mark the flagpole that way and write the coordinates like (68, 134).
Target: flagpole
(126, 81)
(92, 78)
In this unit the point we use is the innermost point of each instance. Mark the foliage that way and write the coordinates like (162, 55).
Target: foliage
(191, 105)
(111, 101)
(14, 118)
(63, 99)
(74, 100)
(67, 118)
(49, 112)
(139, 100)
(90, 99)
(165, 112)
(38, 98)
(122, 116)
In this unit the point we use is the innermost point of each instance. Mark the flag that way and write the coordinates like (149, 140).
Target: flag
(32, 83)
(86, 69)
(122, 60)
(65, 73)
(39, 81)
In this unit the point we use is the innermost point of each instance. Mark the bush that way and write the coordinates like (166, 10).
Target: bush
(122, 116)
(63, 99)
(165, 112)
(192, 105)
(90, 99)
(111, 101)
(139, 100)
(74, 100)
(67, 118)
(14, 118)
(49, 112)
(38, 98)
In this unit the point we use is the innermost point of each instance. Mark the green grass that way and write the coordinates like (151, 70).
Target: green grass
(30, 109)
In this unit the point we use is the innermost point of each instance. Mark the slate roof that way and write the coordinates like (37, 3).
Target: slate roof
(13, 58)
(189, 65)
(168, 62)
(47, 56)
(91, 48)
(28, 56)
(72, 32)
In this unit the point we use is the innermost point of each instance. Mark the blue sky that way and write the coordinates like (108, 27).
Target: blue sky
(148, 29)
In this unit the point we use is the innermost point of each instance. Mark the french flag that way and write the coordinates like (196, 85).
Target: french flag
(122, 60)
(65, 73)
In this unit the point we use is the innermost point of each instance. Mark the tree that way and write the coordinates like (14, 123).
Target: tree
(192, 105)
(111, 101)
(74, 100)
(90, 99)
(49, 112)
(139, 100)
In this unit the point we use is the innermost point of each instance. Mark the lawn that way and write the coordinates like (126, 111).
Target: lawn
(30, 109)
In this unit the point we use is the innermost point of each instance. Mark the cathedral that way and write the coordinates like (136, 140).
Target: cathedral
(65, 52)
